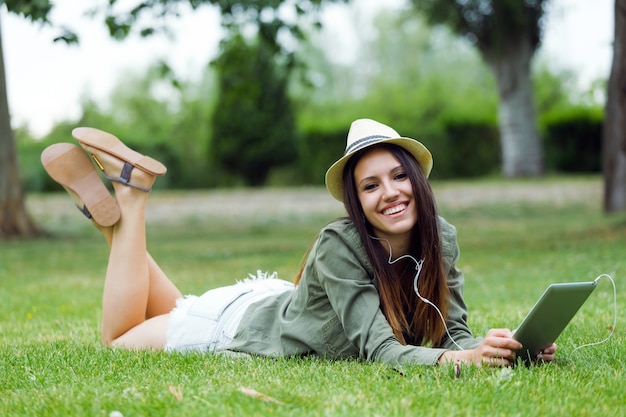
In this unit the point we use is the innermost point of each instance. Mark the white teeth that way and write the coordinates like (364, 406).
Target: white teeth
(395, 209)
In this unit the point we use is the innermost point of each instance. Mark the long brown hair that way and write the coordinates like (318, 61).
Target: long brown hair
(411, 319)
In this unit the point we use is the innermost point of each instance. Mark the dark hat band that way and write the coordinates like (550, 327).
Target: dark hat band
(363, 142)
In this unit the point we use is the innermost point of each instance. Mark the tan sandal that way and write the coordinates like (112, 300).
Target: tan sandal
(105, 142)
(70, 166)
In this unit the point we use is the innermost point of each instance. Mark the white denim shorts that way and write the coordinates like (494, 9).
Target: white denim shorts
(208, 322)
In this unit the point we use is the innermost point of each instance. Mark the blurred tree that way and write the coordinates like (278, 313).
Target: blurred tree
(614, 132)
(254, 128)
(164, 116)
(554, 89)
(422, 80)
(14, 218)
(253, 122)
(442, 78)
(507, 34)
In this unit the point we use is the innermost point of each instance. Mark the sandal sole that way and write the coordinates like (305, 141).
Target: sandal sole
(70, 166)
(110, 144)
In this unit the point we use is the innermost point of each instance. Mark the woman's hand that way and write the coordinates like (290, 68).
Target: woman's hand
(548, 354)
(496, 349)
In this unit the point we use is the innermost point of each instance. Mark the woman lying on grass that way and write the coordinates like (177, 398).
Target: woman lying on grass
(381, 284)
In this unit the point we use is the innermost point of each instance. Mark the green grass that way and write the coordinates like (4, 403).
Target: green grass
(52, 363)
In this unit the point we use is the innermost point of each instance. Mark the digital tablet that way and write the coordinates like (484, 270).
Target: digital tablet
(549, 316)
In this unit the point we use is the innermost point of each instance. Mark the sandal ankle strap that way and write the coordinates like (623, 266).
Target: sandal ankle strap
(124, 178)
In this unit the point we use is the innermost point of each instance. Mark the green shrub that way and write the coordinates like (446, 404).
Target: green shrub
(573, 140)
(466, 148)
(317, 150)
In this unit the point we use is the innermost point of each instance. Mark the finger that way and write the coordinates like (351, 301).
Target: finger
(545, 357)
(500, 333)
(496, 362)
(503, 343)
(550, 349)
(503, 354)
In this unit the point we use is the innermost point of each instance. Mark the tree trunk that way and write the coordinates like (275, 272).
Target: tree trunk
(522, 154)
(14, 220)
(614, 133)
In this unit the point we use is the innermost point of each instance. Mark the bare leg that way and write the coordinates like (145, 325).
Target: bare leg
(127, 286)
(137, 293)
(162, 291)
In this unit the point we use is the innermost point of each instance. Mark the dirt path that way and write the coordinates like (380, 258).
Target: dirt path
(562, 192)
(170, 207)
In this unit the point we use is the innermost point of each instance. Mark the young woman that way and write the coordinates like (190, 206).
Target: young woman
(381, 284)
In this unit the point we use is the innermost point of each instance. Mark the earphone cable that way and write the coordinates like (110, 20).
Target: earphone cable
(418, 269)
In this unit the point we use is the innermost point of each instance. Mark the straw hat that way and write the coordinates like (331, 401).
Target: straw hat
(367, 132)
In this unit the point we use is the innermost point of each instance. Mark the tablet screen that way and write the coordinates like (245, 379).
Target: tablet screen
(550, 315)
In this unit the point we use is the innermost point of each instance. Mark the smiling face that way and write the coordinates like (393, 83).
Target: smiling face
(386, 196)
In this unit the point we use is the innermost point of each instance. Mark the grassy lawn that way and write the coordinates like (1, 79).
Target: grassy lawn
(512, 246)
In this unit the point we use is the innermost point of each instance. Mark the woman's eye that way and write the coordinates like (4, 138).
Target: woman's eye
(400, 176)
(369, 187)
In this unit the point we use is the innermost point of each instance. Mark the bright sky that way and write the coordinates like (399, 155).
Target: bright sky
(47, 80)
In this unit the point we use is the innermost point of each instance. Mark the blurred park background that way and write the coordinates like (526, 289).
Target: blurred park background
(528, 162)
(273, 105)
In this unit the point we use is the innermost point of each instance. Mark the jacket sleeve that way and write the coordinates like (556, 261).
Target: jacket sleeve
(457, 313)
(345, 275)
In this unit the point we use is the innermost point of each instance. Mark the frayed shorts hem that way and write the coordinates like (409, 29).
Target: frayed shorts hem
(209, 322)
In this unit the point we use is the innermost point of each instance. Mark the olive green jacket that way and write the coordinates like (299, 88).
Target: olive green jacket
(335, 310)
